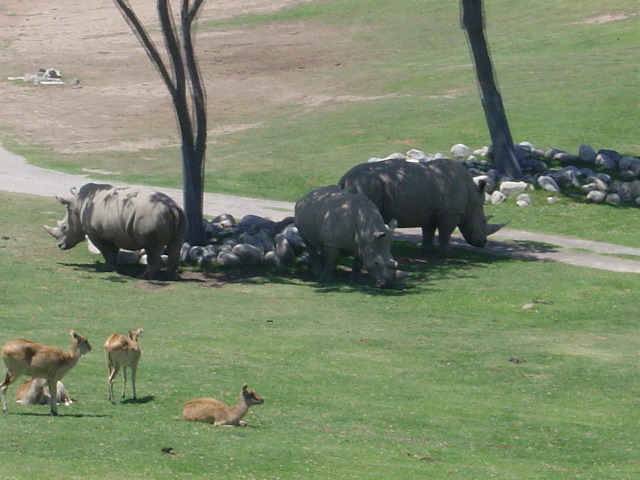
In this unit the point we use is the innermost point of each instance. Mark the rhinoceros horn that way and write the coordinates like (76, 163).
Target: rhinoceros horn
(492, 228)
(54, 232)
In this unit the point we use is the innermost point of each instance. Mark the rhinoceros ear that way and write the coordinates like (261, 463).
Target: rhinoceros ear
(63, 201)
(74, 191)
(379, 234)
(393, 224)
(482, 184)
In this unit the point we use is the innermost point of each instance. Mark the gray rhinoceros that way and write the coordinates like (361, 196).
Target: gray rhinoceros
(333, 222)
(440, 194)
(131, 218)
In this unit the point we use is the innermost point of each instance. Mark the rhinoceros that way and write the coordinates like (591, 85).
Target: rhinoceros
(333, 222)
(440, 194)
(131, 218)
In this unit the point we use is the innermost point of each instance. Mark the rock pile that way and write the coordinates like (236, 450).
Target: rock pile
(600, 176)
(253, 240)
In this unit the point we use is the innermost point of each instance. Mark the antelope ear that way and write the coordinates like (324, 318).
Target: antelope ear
(73, 333)
(245, 386)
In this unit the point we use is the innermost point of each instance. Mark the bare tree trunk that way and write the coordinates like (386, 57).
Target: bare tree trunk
(503, 151)
(189, 100)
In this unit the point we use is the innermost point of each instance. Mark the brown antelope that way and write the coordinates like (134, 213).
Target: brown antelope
(22, 357)
(122, 352)
(210, 410)
(36, 392)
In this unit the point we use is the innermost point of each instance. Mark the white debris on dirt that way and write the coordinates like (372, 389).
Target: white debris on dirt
(44, 76)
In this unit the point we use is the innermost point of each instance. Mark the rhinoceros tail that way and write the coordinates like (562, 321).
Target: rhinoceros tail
(175, 243)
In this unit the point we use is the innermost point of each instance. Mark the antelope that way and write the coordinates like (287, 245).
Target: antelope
(36, 392)
(22, 357)
(122, 352)
(210, 410)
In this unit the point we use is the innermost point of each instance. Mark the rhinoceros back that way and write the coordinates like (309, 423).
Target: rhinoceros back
(412, 193)
(331, 216)
(129, 217)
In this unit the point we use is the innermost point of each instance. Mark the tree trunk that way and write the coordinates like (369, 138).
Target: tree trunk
(192, 128)
(503, 151)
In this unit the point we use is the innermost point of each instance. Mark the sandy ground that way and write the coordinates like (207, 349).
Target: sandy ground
(121, 102)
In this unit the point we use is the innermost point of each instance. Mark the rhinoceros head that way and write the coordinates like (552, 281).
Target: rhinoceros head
(69, 231)
(475, 227)
(378, 261)
(476, 231)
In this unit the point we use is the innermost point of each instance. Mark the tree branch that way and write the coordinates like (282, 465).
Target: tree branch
(149, 47)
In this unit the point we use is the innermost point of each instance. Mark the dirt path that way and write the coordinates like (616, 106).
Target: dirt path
(17, 176)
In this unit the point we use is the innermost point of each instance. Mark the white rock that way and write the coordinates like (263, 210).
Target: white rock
(548, 184)
(460, 150)
(497, 198)
(416, 155)
(613, 199)
(525, 199)
(596, 196)
(553, 199)
(396, 156)
(513, 188)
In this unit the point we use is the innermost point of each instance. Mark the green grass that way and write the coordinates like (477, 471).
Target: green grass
(359, 383)
(414, 382)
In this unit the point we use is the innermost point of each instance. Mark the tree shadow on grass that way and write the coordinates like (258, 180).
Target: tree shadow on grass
(60, 415)
(424, 270)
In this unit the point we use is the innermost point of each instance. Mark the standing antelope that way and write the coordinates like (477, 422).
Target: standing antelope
(122, 352)
(22, 357)
(210, 410)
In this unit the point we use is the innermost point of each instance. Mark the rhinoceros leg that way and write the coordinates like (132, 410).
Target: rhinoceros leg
(109, 252)
(154, 263)
(428, 233)
(330, 257)
(446, 227)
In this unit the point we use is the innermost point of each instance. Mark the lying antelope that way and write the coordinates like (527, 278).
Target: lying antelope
(210, 410)
(122, 352)
(36, 392)
(22, 357)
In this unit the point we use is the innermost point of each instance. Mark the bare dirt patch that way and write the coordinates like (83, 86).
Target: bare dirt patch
(605, 18)
(121, 103)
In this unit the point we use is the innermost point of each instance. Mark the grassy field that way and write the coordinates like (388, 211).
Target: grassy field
(476, 367)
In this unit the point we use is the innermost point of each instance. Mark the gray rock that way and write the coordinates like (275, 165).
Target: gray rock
(587, 154)
(272, 258)
(565, 158)
(228, 259)
(627, 176)
(548, 184)
(250, 254)
(566, 177)
(612, 154)
(283, 248)
(627, 162)
(550, 153)
(523, 200)
(605, 161)
(613, 199)
(629, 190)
